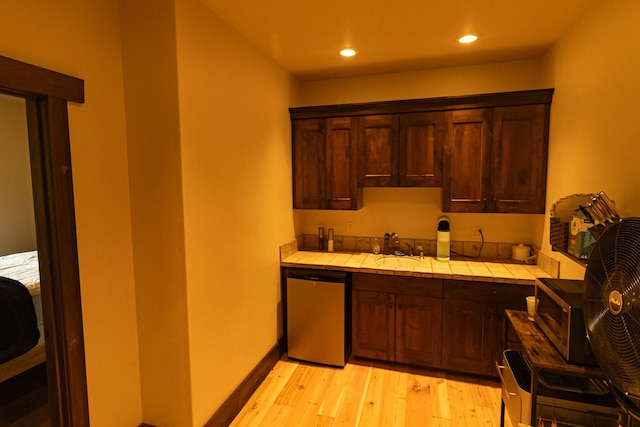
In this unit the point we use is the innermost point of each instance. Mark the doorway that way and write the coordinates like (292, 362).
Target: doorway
(46, 94)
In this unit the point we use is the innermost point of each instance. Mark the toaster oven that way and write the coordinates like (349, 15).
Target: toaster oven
(559, 315)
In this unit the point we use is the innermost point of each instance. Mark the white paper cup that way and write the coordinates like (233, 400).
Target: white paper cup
(532, 305)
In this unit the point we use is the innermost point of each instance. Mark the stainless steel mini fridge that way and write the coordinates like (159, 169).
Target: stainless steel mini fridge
(317, 307)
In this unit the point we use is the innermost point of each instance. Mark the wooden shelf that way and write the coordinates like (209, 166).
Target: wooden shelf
(541, 353)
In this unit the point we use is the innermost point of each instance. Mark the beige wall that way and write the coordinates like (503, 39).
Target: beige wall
(236, 162)
(82, 39)
(413, 212)
(17, 221)
(594, 138)
(209, 154)
(155, 175)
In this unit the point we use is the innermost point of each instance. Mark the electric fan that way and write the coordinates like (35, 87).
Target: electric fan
(612, 312)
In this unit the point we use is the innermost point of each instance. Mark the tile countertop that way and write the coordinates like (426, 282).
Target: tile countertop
(428, 267)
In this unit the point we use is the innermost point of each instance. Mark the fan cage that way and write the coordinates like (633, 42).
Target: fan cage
(612, 306)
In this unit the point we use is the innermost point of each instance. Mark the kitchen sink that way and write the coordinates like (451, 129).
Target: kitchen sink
(393, 261)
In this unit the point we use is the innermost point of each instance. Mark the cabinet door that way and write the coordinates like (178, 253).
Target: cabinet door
(519, 159)
(373, 324)
(467, 336)
(309, 164)
(341, 169)
(467, 161)
(420, 149)
(378, 151)
(418, 330)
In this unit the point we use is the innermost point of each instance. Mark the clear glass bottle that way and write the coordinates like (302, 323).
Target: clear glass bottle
(376, 246)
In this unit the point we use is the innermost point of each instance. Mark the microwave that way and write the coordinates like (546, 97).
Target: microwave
(560, 317)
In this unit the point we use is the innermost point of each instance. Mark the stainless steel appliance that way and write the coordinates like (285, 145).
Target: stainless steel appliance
(560, 316)
(317, 309)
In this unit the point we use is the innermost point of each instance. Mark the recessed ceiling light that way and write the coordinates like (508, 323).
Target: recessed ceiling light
(468, 38)
(348, 52)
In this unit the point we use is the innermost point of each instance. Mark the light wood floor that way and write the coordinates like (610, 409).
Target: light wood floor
(369, 395)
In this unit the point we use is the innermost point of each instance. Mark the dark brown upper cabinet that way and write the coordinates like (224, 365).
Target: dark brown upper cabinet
(378, 151)
(324, 164)
(488, 152)
(402, 150)
(467, 160)
(496, 159)
(421, 147)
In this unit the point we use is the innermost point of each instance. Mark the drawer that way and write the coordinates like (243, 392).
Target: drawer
(419, 286)
(373, 282)
(407, 285)
(503, 293)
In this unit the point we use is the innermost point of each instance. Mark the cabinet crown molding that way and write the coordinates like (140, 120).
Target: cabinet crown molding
(446, 103)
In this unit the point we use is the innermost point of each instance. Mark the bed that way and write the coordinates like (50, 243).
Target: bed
(23, 267)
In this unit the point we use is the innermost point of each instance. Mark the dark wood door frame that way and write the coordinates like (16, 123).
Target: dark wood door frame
(47, 93)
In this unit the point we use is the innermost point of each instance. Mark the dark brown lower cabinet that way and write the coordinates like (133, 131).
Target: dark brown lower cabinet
(474, 323)
(373, 315)
(451, 324)
(397, 319)
(467, 344)
(418, 330)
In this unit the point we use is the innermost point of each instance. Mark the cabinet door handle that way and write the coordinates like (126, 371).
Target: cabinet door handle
(399, 306)
(390, 305)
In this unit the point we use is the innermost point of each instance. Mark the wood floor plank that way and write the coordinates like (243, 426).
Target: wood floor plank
(310, 396)
(337, 390)
(350, 410)
(420, 401)
(379, 410)
(367, 394)
(265, 395)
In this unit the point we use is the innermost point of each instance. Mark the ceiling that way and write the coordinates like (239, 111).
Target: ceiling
(305, 37)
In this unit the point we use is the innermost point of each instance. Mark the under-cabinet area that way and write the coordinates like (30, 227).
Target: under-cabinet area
(487, 152)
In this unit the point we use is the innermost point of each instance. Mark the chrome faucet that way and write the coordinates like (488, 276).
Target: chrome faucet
(411, 250)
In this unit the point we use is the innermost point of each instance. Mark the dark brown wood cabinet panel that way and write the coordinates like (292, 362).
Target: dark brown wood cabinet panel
(496, 160)
(418, 330)
(403, 324)
(519, 159)
(494, 299)
(419, 286)
(308, 163)
(340, 158)
(373, 282)
(456, 325)
(408, 285)
(324, 164)
(373, 324)
(467, 160)
(378, 151)
(467, 340)
(421, 145)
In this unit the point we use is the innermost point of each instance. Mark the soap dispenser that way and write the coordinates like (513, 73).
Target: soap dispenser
(443, 239)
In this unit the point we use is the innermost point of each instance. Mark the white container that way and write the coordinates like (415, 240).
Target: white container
(532, 306)
(520, 252)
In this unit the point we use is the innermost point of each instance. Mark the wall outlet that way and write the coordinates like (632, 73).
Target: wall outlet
(474, 233)
(350, 227)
